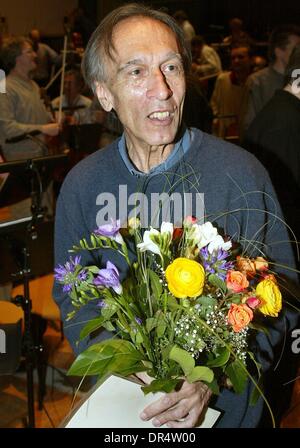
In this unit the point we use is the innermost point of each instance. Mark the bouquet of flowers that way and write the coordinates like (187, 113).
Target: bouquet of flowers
(187, 308)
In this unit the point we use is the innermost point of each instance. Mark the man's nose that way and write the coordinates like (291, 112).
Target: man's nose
(158, 86)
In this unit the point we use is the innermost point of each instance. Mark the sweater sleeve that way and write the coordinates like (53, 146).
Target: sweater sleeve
(70, 227)
(9, 126)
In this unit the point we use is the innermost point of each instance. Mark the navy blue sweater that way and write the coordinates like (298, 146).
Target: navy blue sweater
(238, 197)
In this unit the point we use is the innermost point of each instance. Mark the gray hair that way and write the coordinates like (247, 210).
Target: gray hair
(12, 47)
(101, 46)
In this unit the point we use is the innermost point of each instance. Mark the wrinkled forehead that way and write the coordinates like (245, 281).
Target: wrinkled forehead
(142, 35)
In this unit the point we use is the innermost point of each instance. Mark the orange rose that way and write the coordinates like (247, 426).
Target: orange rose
(239, 316)
(236, 281)
(246, 266)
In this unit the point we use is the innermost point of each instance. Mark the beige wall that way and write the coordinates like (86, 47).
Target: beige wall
(47, 15)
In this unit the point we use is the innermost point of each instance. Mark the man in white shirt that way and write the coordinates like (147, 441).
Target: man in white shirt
(206, 60)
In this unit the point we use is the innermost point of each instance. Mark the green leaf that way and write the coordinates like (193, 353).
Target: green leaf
(151, 323)
(161, 328)
(93, 269)
(237, 376)
(206, 301)
(235, 298)
(109, 356)
(213, 385)
(214, 280)
(201, 373)
(108, 311)
(221, 359)
(172, 303)
(91, 326)
(256, 394)
(156, 285)
(183, 358)
(163, 385)
(108, 326)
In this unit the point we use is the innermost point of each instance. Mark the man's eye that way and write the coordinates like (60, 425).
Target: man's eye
(136, 72)
(171, 68)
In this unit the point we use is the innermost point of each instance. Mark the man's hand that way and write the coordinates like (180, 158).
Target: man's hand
(181, 409)
(51, 129)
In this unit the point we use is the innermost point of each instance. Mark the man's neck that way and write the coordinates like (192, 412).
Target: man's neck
(279, 66)
(241, 76)
(20, 74)
(145, 158)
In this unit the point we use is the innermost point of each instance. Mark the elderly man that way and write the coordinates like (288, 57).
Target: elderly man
(22, 112)
(136, 63)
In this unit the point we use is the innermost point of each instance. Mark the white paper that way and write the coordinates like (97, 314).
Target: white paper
(117, 403)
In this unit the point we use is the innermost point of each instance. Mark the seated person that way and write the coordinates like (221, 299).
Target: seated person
(75, 107)
(22, 111)
(237, 34)
(206, 60)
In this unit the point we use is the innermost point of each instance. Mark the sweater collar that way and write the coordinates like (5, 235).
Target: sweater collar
(180, 148)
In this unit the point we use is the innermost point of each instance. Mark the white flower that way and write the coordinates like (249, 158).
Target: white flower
(167, 227)
(206, 233)
(218, 243)
(148, 243)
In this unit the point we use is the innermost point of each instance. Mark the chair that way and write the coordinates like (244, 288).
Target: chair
(11, 323)
(43, 303)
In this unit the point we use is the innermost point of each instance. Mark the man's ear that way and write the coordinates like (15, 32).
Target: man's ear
(104, 96)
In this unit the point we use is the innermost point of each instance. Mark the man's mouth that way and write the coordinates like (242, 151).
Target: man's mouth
(161, 115)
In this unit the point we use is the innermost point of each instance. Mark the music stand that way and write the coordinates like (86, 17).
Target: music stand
(21, 255)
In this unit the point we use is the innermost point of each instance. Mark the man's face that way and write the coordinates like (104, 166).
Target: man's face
(71, 86)
(196, 51)
(284, 53)
(240, 59)
(27, 59)
(146, 84)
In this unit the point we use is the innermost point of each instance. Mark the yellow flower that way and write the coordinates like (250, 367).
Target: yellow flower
(185, 278)
(269, 293)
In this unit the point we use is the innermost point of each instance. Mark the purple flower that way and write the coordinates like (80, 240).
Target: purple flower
(109, 278)
(138, 320)
(69, 267)
(65, 274)
(82, 276)
(215, 262)
(110, 231)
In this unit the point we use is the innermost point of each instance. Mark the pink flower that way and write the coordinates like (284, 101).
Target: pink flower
(188, 220)
(253, 302)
